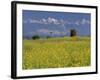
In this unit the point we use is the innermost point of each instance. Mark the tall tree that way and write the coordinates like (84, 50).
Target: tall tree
(73, 33)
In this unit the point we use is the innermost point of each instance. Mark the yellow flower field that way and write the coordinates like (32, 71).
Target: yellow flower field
(56, 53)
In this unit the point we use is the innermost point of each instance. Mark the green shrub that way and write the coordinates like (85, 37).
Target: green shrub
(36, 37)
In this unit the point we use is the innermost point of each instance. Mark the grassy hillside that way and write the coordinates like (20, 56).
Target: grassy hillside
(56, 52)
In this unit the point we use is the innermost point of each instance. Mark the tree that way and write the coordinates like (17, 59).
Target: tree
(73, 33)
(36, 37)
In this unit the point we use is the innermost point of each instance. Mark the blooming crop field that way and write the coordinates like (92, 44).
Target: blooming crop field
(56, 53)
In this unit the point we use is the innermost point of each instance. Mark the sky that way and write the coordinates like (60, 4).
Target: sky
(59, 23)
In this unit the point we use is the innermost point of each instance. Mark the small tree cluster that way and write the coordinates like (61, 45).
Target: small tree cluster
(36, 37)
(73, 33)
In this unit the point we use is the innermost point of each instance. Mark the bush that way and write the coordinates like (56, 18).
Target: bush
(36, 37)
(73, 32)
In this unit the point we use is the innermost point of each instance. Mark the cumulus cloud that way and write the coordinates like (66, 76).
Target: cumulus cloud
(54, 21)
(84, 21)
(48, 20)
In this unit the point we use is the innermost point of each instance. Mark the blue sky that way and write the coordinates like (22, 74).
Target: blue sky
(59, 23)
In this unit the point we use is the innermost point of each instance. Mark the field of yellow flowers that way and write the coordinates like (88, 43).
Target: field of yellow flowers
(56, 53)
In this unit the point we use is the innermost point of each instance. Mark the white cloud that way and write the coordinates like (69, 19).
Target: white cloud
(55, 21)
(44, 21)
(34, 21)
(57, 32)
(63, 22)
(47, 31)
(77, 23)
(49, 20)
(84, 21)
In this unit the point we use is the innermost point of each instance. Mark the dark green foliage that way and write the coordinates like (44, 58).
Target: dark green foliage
(73, 32)
(36, 37)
